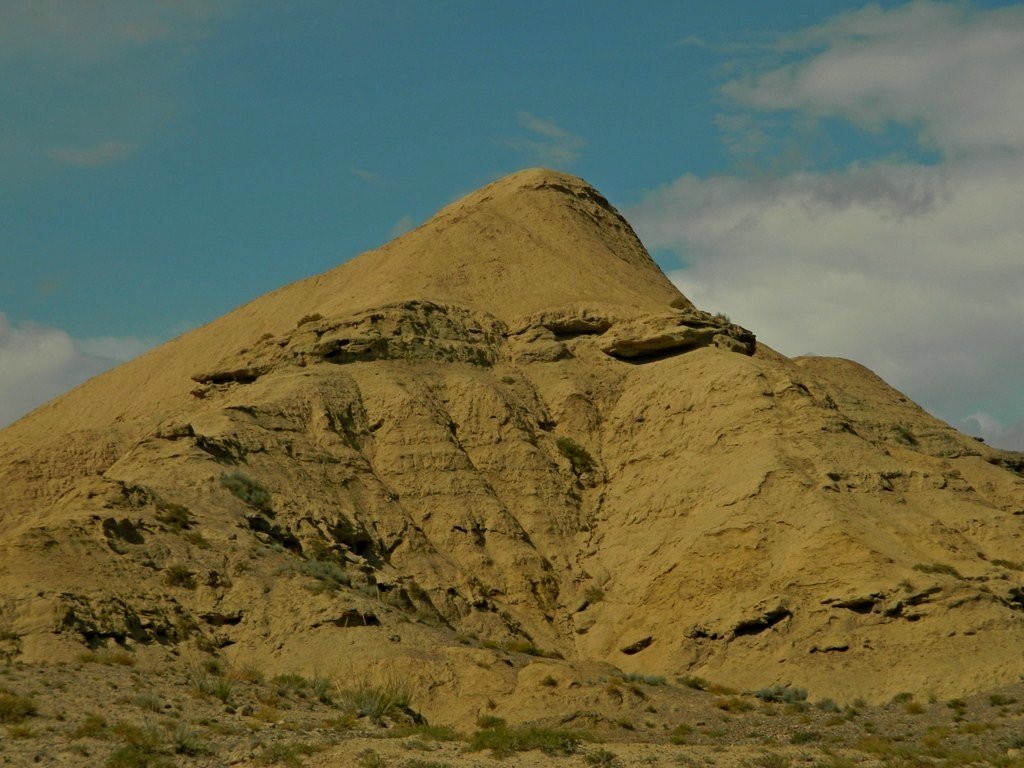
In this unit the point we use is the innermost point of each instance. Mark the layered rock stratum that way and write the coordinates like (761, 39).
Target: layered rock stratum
(507, 431)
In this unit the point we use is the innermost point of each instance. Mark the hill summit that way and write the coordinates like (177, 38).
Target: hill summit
(503, 444)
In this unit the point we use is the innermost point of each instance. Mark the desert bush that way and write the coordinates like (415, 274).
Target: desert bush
(636, 677)
(288, 753)
(733, 704)
(678, 734)
(149, 701)
(425, 731)
(998, 700)
(490, 721)
(941, 568)
(578, 456)
(784, 694)
(391, 696)
(603, 758)
(107, 657)
(93, 726)
(246, 490)
(178, 575)
(187, 742)
(176, 517)
(503, 742)
(329, 574)
(15, 708)
(691, 681)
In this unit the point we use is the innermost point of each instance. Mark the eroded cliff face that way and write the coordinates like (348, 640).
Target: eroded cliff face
(424, 482)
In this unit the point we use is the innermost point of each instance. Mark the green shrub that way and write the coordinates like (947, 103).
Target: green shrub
(179, 576)
(130, 756)
(285, 753)
(378, 700)
(490, 721)
(246, 490)
(636, 677)
(15, 708)
(942, 568)
(503, 742)
(328, 573)
(784, 694)
(578, 456)
(691, 681)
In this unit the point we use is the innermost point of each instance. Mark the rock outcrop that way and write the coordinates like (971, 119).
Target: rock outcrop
(503, 431)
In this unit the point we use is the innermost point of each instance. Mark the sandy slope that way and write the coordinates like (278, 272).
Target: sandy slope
(507, 429)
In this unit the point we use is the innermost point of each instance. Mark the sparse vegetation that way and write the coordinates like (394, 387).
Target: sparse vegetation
(329, 575)
(784, 694)
(285, 753)
(580, 459)
(312, 318)
(178, 575)
(15, 708)
(504, 741)
(941, 568)
(391, 696)
(246, 490)
(108, 657)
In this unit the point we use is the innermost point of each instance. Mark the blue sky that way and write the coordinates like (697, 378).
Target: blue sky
(842, 178)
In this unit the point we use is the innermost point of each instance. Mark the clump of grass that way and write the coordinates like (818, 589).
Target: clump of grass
(998, 700)
(504, 741)
(1008, 564)
(424, 731)
(549, 682)
(93, 726)
(178, 575)
(679, 734)
(827, 705)
(490, 721)
(603, 758)
(142, 748)
(309, 319)
(149, 701)
(692, 681)
(578, 456)
(940, 568)
(187, 742)
(784, 694)
(215, 685)
(288, 753)
(246, 490)
(636, 677)
(391, 696)
(328, 574)
(733, 704)
(15, 708)
(108, 657)
(176, 517)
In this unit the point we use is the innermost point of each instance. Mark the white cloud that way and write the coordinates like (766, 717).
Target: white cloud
(1011, 436)
(37, 363)
(549, 144)
(914, 270)
(955, 72)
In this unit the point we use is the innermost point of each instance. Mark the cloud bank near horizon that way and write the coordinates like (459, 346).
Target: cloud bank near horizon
(38, 363)
(914, 268)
